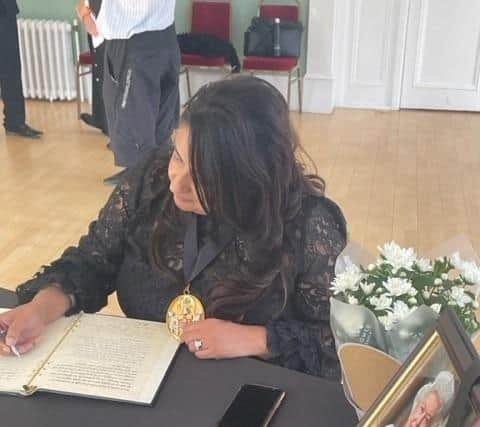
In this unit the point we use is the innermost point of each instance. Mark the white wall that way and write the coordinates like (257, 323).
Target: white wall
(319, 81)
(373, 43)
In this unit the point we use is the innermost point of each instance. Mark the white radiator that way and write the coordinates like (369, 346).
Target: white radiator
(47, 55)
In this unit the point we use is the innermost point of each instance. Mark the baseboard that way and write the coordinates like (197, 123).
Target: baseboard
(318, 93)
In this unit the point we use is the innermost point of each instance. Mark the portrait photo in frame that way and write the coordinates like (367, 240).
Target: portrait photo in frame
(436, 386)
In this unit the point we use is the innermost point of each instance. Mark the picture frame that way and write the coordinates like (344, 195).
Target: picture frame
(436, 385)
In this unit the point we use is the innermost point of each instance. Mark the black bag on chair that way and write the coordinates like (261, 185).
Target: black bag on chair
(259, 38)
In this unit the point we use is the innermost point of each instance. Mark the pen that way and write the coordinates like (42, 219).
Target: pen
(12, 347)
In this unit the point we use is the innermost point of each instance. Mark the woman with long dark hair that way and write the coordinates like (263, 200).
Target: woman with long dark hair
(226, 238)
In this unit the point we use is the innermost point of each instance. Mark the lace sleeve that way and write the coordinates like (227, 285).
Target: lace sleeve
(306, 342)
(89, 270)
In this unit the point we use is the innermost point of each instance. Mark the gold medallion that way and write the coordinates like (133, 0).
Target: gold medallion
(185, 308)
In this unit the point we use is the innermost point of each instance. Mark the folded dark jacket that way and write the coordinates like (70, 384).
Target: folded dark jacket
(209, 45)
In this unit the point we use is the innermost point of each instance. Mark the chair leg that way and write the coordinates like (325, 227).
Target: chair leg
(189, 88)
(79, 95)
(289, 88)
(300, 90)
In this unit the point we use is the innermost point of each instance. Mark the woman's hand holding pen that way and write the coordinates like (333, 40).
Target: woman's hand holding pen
(24, 325)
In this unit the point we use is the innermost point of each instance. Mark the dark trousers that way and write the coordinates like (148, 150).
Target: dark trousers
(98, 107)
(11, 73)
(140, 91)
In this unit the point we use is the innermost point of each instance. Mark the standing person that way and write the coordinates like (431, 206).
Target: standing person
(142, 63)
(97, 118)
(11, 74)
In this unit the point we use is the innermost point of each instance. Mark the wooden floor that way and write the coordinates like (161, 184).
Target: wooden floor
(411, 176)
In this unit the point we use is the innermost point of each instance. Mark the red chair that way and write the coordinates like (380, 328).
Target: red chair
(210, 17)
(83, 68)
(283, 65)
(84, 65)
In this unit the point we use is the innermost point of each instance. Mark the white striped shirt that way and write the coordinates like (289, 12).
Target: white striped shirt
(121, 19)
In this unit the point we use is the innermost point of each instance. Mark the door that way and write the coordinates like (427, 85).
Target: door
(374, 32)
(442, 55)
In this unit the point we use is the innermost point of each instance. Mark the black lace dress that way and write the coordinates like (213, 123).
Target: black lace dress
(115, 256)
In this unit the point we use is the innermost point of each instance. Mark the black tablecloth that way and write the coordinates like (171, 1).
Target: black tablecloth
(195, 393)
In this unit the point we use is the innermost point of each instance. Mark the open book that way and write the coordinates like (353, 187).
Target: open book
(95, 356)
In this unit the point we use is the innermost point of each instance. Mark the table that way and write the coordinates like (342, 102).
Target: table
(195, 393)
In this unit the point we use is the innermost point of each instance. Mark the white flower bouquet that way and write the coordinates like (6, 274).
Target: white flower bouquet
(392, 303)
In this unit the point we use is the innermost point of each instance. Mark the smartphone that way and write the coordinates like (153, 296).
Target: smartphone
(253, 406)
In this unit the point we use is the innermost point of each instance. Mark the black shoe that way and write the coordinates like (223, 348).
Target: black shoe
(115, 179)
(24, 131)
(89, 120)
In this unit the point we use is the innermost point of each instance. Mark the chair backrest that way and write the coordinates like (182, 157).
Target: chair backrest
(211, 17)
(287, 12)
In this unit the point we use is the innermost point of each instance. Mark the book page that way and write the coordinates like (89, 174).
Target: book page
(17, 371)
(111, 357)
